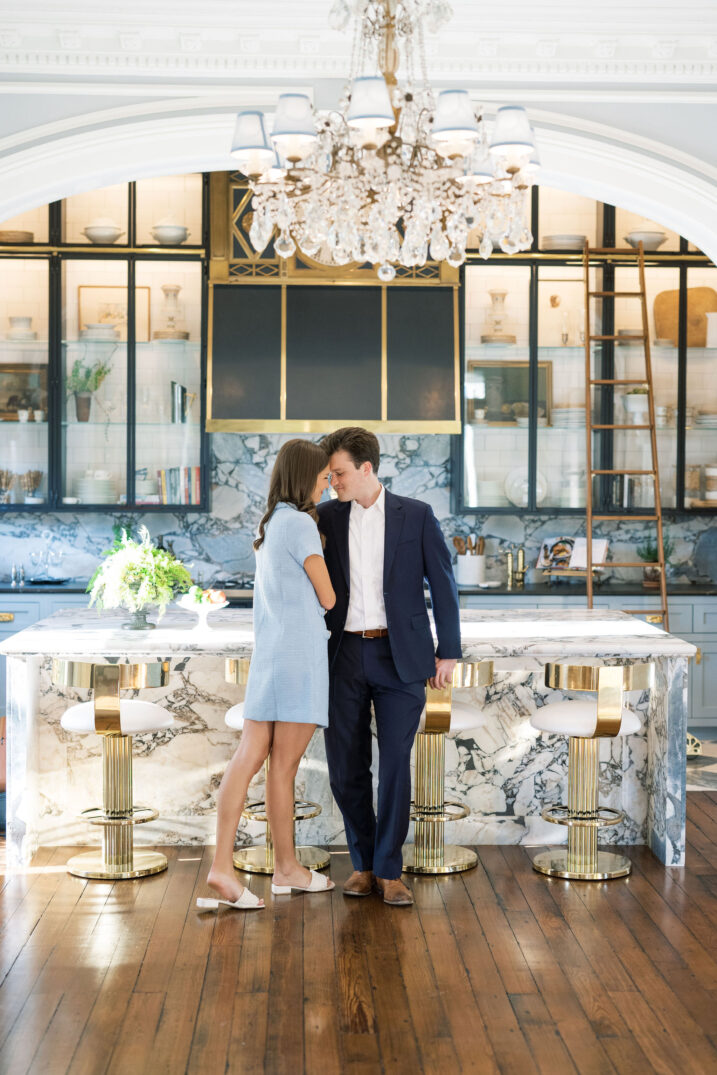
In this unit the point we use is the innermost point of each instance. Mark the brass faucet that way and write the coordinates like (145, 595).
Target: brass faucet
(509, 564)
(519, 572)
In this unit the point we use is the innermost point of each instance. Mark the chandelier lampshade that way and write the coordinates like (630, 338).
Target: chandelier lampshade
(250, 145)
(370, 104)
(394, 175)
(294, 132)
(455, 127)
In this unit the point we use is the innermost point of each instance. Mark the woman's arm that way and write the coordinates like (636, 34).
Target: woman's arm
(315, 568)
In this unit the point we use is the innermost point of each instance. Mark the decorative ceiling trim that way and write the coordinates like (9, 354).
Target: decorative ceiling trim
(611, 165)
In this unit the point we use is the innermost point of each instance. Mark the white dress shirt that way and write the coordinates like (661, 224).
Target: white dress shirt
(367, 530)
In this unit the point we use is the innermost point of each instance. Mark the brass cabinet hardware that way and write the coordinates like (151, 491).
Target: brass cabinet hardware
(698, 656)
(7, 617)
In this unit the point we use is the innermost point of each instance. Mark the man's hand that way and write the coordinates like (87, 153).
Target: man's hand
(444, 673)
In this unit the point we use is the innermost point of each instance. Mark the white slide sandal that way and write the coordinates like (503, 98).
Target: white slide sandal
(319, 883)
(246, 902)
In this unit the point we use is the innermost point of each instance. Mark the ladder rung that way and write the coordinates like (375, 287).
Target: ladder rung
(620, 427)
(623, 472)
(633, 336)
(641, 518)
(627, 563)
(615, 294)
(612, 380)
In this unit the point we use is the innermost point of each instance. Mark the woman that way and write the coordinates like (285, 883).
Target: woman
(287, 694)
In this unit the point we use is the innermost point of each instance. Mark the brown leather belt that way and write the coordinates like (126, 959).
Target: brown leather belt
(374, 632)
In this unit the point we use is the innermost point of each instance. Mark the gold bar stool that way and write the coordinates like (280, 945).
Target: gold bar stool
(431, 810)
(586, 722)
(116, 720)
(260, 859)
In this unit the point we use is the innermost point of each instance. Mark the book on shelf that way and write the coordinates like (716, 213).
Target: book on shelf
(179, 485)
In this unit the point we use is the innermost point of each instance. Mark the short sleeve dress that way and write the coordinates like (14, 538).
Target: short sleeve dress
(289, 671)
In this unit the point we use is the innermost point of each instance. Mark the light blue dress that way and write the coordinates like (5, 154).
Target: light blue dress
(289, 671)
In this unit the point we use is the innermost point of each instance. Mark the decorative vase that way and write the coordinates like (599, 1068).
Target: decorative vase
(139, 621)
(82, 406)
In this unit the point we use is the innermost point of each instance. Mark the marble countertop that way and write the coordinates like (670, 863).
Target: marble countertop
(85, 634)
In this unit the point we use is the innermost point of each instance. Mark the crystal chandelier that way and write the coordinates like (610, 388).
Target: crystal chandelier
(394, 176)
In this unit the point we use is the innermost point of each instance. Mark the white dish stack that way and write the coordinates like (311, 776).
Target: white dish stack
(568, 417)
(95, 490)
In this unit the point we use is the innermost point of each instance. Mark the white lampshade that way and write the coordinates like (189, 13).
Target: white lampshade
(370, 104)
(294, 130)
(480, 169)
(512, 132)
(250, 145)
(455, 127)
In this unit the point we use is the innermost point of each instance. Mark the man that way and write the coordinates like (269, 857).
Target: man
(379, 549)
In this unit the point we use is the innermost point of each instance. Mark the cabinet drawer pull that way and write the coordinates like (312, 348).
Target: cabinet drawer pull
(7, 617)
(698, 656)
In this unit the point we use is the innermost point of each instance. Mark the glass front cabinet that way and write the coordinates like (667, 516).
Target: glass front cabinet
(102, 350)
(523, 379)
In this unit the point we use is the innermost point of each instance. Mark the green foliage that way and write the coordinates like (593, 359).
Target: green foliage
(137, 575)
(642, 390)
(85, 378)
(648, 550)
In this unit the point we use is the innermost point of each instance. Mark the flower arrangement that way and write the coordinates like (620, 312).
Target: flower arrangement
(137, 575)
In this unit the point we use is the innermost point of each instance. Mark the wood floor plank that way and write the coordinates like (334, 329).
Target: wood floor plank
(468, 1030)
(321, 1012)
(101, 1032)
(163, 945)
(27, 1032)
(538, 1026)
(213, 1026)
(138, 1031)
(247, 1042)
(285, 1036)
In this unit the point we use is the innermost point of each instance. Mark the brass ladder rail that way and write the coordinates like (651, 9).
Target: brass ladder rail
(656, 515)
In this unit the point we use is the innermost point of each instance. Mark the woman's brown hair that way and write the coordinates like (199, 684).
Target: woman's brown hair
(293, 480)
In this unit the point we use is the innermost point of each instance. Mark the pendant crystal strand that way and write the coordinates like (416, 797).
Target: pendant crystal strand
(372, 193)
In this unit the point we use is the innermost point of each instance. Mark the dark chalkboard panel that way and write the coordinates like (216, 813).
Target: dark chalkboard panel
(421, 356)
(246, 352)
(333, 353)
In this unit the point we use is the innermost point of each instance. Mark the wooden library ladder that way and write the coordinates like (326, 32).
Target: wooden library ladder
(637, 259)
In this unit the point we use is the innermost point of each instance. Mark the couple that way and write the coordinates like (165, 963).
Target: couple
(363, 558)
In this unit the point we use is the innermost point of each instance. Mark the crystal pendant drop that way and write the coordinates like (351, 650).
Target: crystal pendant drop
(285, 245)
(339, 15)
(486, 248)
(386, 272)
(456, 257)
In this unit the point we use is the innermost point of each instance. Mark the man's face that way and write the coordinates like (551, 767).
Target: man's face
(347, 479)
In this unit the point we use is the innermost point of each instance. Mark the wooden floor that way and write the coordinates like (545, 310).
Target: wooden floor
(497, 969)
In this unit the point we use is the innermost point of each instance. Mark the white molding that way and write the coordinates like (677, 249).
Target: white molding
(614, 166)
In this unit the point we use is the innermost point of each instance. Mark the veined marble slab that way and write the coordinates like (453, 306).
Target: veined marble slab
(505, 771)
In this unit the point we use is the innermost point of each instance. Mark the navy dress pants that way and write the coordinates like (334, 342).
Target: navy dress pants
(364, 672)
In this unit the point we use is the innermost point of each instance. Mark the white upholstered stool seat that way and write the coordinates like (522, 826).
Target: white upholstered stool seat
(136, 717)
(464, 717)
(578, 718)
(234, 717)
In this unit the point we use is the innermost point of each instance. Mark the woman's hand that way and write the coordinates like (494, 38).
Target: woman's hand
(315, 568)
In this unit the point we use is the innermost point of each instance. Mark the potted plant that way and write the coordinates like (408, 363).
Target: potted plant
(635, 403)
(648, 551)
(82, 381)
(136, 575)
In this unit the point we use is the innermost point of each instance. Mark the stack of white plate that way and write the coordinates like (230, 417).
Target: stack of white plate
(562, 242)
(705, 420)
(568, 417)
(95, 490)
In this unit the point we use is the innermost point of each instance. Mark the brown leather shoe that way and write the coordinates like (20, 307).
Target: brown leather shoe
(360, 883)
(394, 892)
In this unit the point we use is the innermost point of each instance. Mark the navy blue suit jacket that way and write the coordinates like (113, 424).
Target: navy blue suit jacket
(414, 550)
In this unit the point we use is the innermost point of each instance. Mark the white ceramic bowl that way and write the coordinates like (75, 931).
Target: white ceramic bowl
(169, 234)
(650, 240)
(563, 242)
(102, 233)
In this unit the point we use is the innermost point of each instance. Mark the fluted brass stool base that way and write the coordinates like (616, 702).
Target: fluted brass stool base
(93, 865)
(261, 859)
(607, 866)
(452, 859)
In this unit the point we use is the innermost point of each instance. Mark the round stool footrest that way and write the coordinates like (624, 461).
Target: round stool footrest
(95, 815)
(604, 815)
(303, 810)
(450, 811)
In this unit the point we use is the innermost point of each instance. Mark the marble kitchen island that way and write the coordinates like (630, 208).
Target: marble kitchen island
(504, 770)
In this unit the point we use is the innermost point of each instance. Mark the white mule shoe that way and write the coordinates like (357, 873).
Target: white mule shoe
(246, 902)
(319, 883)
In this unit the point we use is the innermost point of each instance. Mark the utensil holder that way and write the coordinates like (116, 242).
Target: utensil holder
(470, 570)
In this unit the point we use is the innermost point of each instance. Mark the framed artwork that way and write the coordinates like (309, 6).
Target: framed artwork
(22, 386)
(497, 393)
(101, 305)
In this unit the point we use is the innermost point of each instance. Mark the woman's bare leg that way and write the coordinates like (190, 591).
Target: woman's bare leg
(287, 749)
(248, 759)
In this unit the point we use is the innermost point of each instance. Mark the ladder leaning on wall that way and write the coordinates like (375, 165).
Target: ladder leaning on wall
(637, 259)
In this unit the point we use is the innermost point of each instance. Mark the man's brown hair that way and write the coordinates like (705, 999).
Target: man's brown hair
(358, 442)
